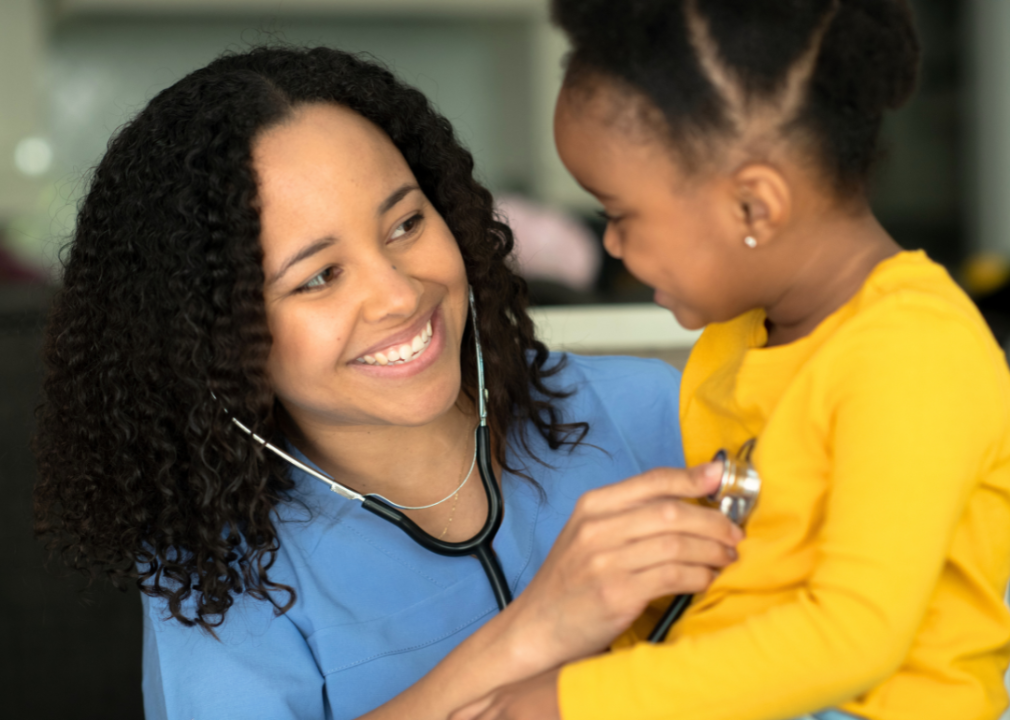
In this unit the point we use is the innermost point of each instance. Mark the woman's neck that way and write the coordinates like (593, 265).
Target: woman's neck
(415, 465)
(837, 256)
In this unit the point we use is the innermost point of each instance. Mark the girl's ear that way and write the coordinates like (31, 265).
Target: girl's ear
(763, 204)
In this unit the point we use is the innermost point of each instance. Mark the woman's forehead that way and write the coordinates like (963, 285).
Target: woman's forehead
(325, 141)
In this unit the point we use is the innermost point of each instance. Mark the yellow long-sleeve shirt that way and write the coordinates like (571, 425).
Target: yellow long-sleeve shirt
(873, 572)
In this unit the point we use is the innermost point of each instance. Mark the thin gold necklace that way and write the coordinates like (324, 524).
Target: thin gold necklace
(455, 499)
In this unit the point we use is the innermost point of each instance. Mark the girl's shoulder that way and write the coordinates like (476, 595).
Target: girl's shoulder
(910, 306)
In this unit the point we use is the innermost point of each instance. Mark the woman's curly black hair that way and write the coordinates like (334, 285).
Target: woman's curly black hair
(142, 476)
(705, 64)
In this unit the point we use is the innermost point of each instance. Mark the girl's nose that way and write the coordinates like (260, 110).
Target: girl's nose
(611, 242)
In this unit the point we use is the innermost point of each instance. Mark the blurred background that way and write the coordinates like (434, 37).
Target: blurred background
(75, 70)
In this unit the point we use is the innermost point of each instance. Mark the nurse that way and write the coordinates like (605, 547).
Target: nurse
(288, 238)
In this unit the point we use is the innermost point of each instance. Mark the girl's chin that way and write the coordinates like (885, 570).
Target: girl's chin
(687, 319)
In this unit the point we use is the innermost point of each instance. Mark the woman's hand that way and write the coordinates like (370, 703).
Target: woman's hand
(625, 545)
(535, 698)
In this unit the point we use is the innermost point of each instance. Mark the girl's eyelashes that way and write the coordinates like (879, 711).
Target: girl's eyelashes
(607, 217)
(321, 280)
(407, 226)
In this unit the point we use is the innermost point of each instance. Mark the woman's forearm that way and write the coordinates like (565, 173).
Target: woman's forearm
(494, 655)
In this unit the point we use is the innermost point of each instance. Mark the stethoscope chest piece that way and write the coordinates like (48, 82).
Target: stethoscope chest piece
(739, 487)
(736, 497)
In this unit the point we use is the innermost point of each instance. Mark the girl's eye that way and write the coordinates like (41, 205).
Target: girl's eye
(407, 226)
(607, 217)
(319, 281)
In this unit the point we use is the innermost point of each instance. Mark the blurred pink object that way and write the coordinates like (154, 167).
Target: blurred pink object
(14, 271)
(551, 245)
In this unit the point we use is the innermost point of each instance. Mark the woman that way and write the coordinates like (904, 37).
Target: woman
(287, 239)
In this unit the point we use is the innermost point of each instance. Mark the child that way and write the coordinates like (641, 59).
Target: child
(730, 142)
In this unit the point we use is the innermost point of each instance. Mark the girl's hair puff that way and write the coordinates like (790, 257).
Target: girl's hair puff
(160, 326)
(828, 69)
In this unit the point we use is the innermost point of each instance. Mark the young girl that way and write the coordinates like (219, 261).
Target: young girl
(730, 142)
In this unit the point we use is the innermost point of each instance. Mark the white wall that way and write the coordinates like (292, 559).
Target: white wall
(84, 67)
(22, 47)
(989, 123)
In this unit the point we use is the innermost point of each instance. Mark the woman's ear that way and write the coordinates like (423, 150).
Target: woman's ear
(763, 204)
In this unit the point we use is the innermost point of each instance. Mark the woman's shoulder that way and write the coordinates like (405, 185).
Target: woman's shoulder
(631, 404)
(614, 373)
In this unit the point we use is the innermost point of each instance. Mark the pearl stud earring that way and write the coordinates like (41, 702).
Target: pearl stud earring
(750, 242)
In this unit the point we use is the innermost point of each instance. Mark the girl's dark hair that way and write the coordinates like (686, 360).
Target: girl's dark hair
(142, 476)
(830, 68)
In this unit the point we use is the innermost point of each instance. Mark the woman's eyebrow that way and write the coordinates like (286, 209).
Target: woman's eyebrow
(302, 254)
(323, 243)
(398, 195)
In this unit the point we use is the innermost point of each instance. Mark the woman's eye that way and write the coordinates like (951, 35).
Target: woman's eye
(319, 281)
(407, 226)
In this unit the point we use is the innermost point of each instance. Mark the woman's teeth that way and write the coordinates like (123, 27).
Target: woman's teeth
(401, 354)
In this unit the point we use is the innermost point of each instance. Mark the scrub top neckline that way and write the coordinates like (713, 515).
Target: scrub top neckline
(513, 548)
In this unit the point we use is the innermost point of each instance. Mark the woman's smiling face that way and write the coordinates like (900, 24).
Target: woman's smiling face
(365, 288)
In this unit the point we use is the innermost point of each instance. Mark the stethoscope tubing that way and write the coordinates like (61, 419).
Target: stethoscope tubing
(480, 544)
(672, 614)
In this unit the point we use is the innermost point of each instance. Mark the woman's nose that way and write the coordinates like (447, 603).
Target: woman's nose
(392, 292)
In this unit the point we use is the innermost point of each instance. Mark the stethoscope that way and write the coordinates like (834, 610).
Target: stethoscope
(480, 544)
(735, 498)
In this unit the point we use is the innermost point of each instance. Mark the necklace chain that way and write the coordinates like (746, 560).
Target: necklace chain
(452, 513)
(451, 495)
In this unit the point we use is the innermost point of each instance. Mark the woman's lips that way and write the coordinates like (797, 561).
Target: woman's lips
(427, 353)
(402, 353)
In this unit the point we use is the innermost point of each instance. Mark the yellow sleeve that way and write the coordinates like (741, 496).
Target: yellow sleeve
(917, 407)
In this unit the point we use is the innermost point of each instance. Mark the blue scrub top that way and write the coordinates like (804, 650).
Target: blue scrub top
(375, 611)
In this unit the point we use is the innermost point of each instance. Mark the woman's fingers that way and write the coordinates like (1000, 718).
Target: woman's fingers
(624, 546)
(663, 516)
(695, 482)
(620, 582)
(670, 549)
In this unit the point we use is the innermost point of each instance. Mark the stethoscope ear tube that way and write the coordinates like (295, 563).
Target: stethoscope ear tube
(480, 544)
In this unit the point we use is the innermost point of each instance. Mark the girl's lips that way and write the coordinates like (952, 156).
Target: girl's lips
(419, 361)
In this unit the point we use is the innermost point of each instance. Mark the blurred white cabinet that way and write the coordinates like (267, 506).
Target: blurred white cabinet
(22, 48)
